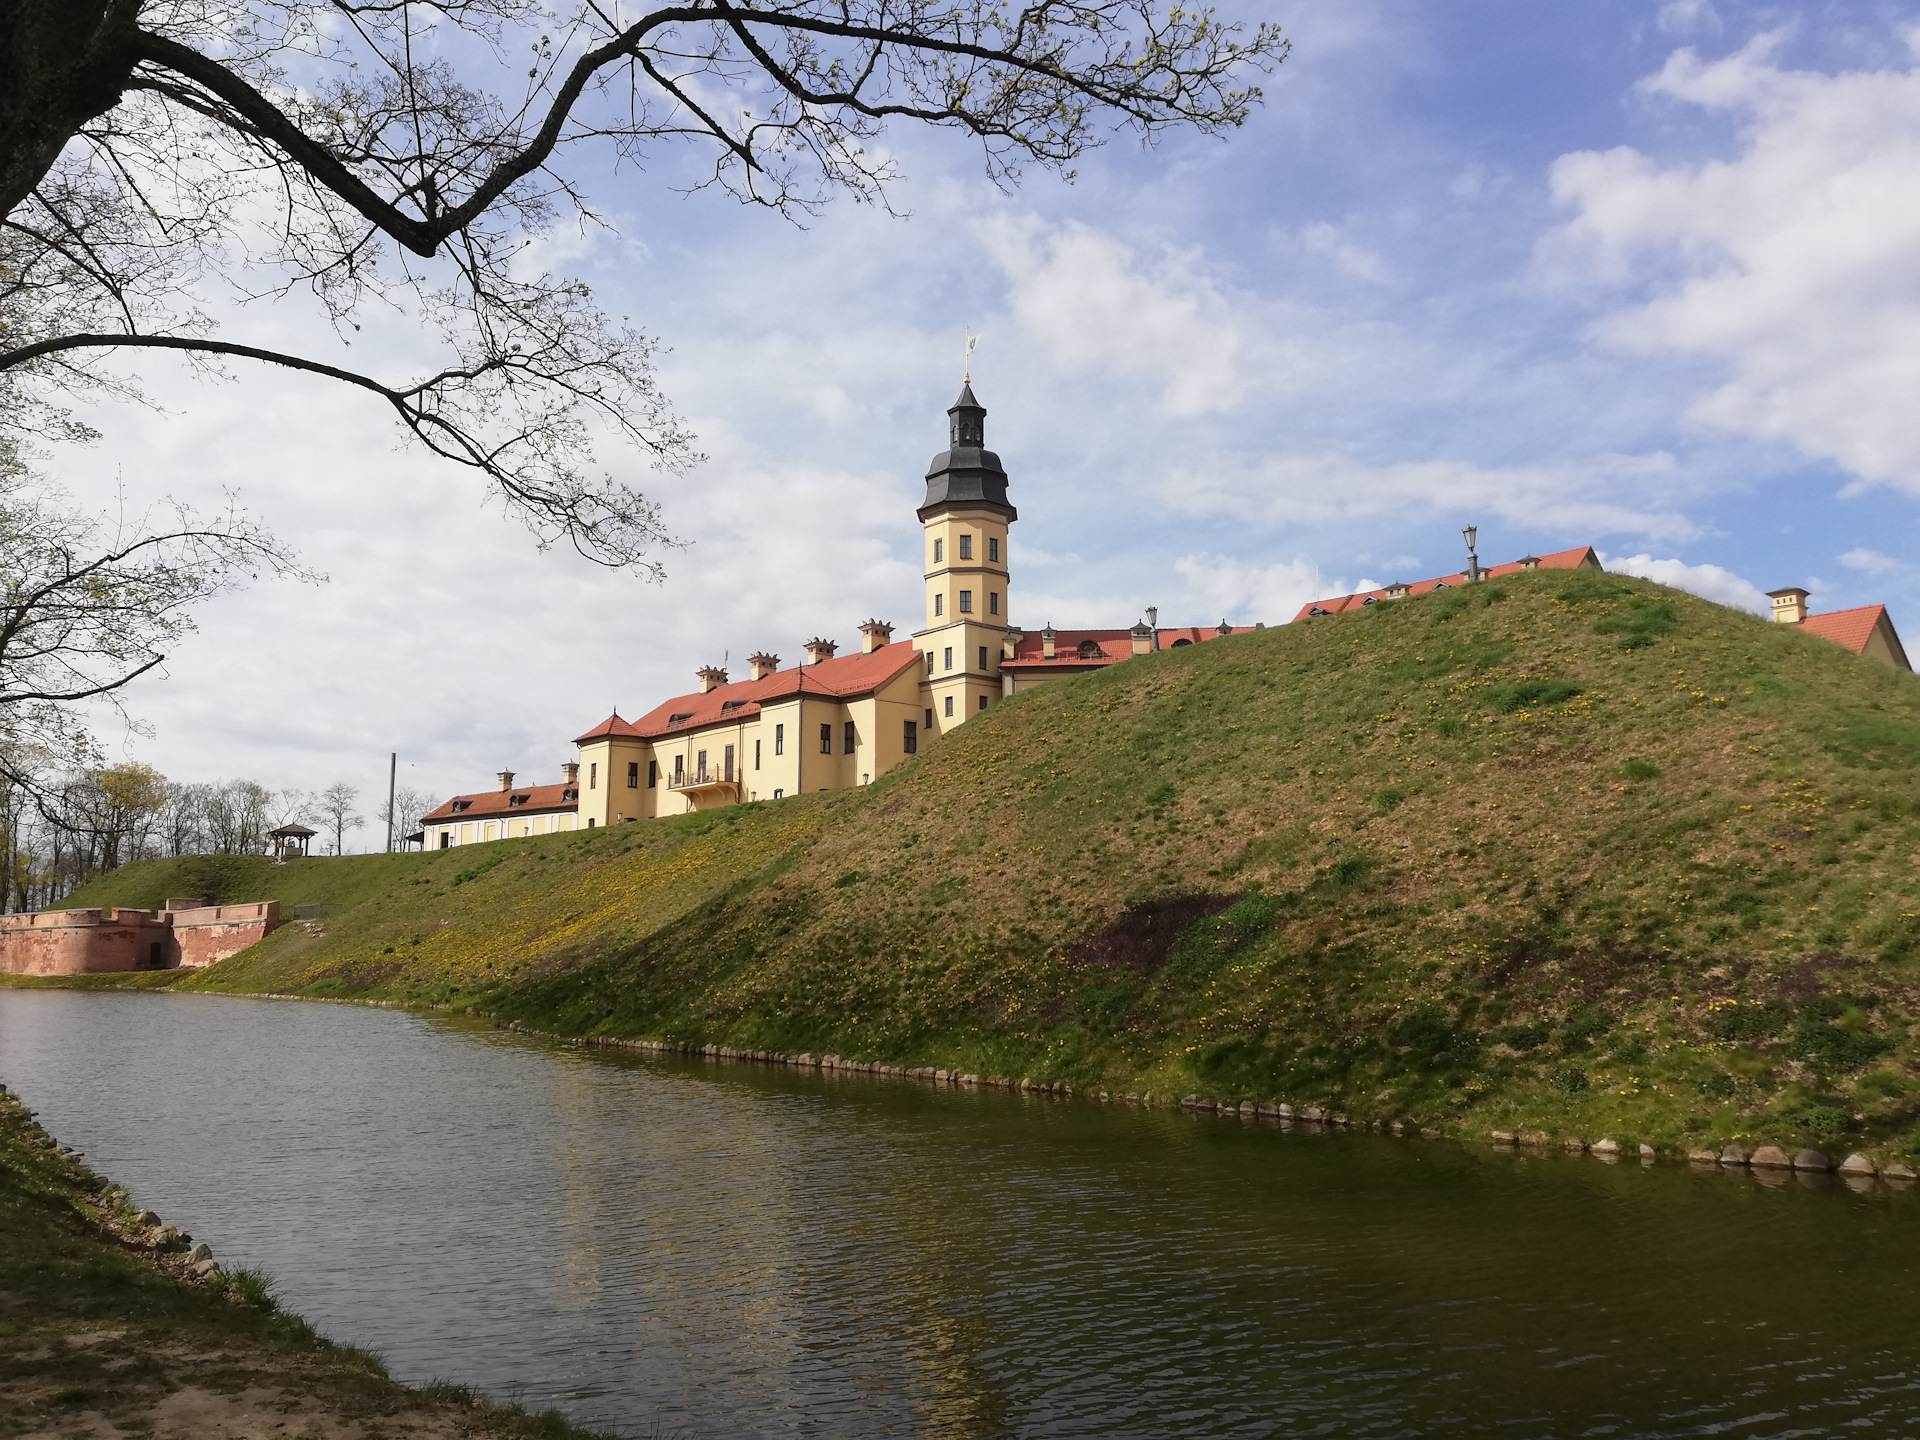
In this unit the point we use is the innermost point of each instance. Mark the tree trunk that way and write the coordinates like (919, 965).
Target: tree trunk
(62, 63)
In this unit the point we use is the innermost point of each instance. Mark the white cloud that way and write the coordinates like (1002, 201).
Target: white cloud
(1098, 305)
(1871, 561)
(1709, 582)
(1581, 502)
(1329, 243)
(1244, 593)
(1678, 17)
(1794, 265)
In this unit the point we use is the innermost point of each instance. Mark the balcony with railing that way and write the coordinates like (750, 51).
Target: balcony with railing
(705, 786)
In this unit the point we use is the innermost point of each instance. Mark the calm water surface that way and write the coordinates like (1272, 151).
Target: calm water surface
(712, 1249)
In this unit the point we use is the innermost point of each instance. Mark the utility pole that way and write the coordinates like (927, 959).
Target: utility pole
(393, 774)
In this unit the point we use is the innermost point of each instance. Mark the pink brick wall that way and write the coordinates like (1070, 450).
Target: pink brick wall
(92, 942)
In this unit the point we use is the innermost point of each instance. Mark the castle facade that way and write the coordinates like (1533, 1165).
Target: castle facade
(834, 720)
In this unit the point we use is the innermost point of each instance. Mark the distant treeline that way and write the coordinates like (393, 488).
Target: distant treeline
(56, 836)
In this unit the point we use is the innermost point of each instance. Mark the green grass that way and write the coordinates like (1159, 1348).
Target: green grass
(1357, 862)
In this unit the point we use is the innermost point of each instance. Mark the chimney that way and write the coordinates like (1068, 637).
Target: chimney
(875, 634)
(1046, 642)
(1010, 642)
(1142, 638)
(1789, 606)
(505, 777)
(570, 773)
(712, 677)
(820, 651)
(760, 664)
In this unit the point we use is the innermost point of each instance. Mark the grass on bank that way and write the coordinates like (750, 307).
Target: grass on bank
(104, 1332)
(1571, 852)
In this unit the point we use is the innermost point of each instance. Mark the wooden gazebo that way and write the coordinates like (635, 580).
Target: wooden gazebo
(290, 840)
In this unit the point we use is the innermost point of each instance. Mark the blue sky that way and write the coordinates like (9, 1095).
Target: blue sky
(1644, 276)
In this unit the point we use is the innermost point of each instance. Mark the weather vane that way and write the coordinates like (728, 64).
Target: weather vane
(972, 340)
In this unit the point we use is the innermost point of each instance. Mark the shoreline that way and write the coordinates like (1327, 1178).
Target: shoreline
(126, 1324)
(1861, 1170)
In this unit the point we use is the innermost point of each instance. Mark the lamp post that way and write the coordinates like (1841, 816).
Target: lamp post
(1472, 532)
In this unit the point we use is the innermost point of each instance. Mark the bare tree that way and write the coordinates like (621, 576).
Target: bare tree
(333, 807)
(409, 805)
(407, 153)
(89, 602)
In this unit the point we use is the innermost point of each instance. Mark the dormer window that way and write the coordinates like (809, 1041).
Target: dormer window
(1316, 610)
(1090, 650)
(684, 715)
(727, 707)
(1441, 585)
(1371, 600)
(572, 792)
(460, 805)
(515, 801)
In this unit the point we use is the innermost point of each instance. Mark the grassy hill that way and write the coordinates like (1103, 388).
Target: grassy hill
(1566, 851)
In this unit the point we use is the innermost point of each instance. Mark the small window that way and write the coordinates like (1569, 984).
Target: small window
(966, 602)
(756, 754)
(966, 547)
(1178, 643)
(849, 736)
(653, 774)
(779, 741)
(993, 602)
(446, 839)
(949, 707)
(633, 775)
(939, 551)
(826, 739)
(1090, 650)
(947, 657)
(983, 658)
(591, 822)
(983, 702)
(593, 777)
(939, 604)
(993, 548)
(910, 741)
(779, 794)
(929, 662)
(929, 722)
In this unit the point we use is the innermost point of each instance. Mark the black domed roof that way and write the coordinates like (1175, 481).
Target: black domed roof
(967, 473)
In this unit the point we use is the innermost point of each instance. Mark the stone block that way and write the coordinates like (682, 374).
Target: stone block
(1769, 1157)
(1811, 1160)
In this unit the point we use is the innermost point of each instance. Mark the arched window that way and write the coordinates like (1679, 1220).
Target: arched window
(1178, 643)
(1090, 650)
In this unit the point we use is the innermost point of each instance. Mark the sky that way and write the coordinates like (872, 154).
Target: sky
(1642, 276)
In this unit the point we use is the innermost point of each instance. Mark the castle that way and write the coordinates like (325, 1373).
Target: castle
(839, 720)
(834, 720)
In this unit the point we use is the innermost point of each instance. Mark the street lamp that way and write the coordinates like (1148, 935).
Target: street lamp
(1472, 532)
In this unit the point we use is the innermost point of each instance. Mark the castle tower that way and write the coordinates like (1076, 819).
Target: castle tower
(964, 520)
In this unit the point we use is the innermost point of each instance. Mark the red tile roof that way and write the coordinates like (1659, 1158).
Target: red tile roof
(1559, 560)
(1853, 628)
(842, 677)
(1029, 652)
(491, 804)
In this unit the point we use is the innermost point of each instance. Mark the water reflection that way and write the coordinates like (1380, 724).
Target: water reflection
(733, 1250)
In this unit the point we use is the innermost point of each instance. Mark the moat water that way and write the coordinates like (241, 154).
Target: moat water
(712, 1249)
